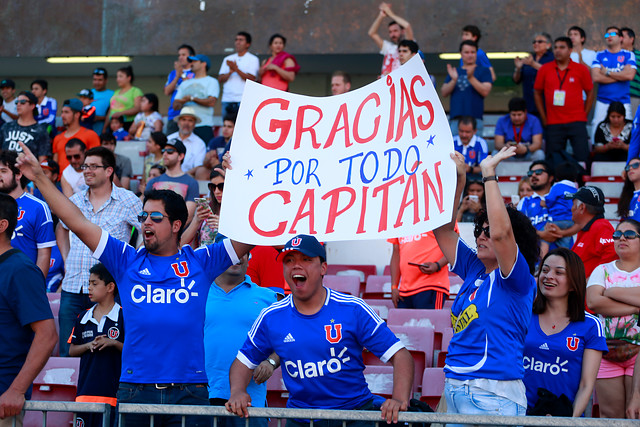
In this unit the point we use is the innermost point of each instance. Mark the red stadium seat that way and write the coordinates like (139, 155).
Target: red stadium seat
(382, 306)
(387, 270)
(378, 287)
(58, 381)
(438, 320)
(442, 354)
(54, 302)
(277, 394)
(432, 386)
(345, 284)
(366, 269)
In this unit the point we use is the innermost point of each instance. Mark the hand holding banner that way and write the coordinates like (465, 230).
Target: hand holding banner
(368, 164)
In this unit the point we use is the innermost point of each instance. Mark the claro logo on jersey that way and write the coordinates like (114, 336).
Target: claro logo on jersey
(545, 367)
(151, 295)
(300, 369)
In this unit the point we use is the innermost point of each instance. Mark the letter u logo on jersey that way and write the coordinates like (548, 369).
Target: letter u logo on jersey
(572, 343)
(182, 266)
(20, 214)
(329, 329)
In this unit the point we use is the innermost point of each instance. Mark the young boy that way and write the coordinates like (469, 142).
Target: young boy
(97, 338)
(471, 32)
(117, 129)
(88, 116)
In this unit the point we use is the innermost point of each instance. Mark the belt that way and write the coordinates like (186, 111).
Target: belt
(173, 385)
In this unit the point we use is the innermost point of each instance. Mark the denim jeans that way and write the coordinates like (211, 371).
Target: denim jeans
(185, 394)
(230, 109)
(471, 400)
(71, 305)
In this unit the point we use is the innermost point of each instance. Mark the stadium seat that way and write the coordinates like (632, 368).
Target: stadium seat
(438, 320)
(54, 302)
(432, 386)
(607, 170)
(381, 306)
(517, 169)
(366, 269)
(378, 287)
(442, 353)
(135, 151)
(277, 394)
(611, 211)
(611, 190)
(448, 303)
(387, 270)
(345, 284)
(508, 188)
(419, 341)
(58, 381)
(203, 188)
(380, 380)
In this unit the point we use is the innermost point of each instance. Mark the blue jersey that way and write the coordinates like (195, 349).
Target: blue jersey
(523, 134)
(163, 299)
(554, 361)
(490, 317)
(474, 152)
(634, 143)
(465, 99)
(34, 229)
(634, 206)
(531, 207)
(101, 100)
(188, 74)
(120, 134)
(616, 91)
(559, 208)
(56, 270)
(47, 111)
(321, 354)
(229, 318)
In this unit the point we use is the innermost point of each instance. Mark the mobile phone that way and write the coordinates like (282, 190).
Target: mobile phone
(473, 197)
(416, 264)
(201, 201)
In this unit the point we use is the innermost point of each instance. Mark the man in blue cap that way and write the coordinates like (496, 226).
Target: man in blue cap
(319, 335)
(201, 93)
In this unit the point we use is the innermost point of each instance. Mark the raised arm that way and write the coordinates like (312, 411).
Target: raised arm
(60, 205)
(504, 242)
(446, 234)
(373, 30)
(408, 30)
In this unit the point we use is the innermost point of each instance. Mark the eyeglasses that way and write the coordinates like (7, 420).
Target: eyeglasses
(611, 34)
(536, 172)
(628, 235)
(480, 229)
(539, 41)
(92, 167)
(630, 166)
(220, 186)
(156, 217)
(22, 101)
(169, 150)
(74, 157)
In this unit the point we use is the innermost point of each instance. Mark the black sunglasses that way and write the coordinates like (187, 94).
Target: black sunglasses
(536, 172)
(630, 166)
(169, 150)
(22, 101)
(220, 186)
(156, 217)
(480, 229)
(74, 156)
(628, 235)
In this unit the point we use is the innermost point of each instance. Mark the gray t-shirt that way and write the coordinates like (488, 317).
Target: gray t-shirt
(34, 136)
(123, 166)
(185, 185)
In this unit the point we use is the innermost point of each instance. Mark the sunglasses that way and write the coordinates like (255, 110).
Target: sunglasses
(22, 101)
(220, 186)
(480, 229)
(630, 166)
(169, 150)
(611, 34)
(75, 157)
(539, 41)
(92, 167)
(99, 71)
(156, 217)
(628, 235)
(536, 172)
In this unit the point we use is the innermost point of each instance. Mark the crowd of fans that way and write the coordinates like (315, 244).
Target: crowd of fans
(542, 352)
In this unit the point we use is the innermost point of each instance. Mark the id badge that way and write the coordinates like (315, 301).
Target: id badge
(558, 98)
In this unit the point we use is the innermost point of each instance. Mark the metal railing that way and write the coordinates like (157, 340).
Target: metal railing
(125, 409)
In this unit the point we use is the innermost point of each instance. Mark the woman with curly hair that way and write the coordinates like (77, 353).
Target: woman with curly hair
(484, 365)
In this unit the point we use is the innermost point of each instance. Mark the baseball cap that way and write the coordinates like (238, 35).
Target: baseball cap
(86, 93)
(178, 145)
(203, 58)
(8, 83)
(51, 165)
(589, 195)
(74, 104)
(306, 244)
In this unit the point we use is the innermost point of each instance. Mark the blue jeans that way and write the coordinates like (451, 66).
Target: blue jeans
(185, 394)
(71, 305)
(230, 109)
(470, 400)
(565, 242)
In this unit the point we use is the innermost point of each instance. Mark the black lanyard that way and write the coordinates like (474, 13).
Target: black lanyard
(562, 79)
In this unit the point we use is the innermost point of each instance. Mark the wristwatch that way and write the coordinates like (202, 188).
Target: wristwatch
(192, 98)
(272, 362)
(489, 178)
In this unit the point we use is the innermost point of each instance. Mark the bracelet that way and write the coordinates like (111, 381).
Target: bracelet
(394, 287)
(439, 268)
(489, 178)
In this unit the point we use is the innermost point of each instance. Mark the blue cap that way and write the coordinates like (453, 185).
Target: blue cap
(74, 103)
(203, 58)
(308, 245)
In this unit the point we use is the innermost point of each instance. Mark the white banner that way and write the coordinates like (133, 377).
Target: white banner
(369, 164)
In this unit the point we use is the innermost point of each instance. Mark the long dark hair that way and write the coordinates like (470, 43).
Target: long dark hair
(215, 172)
(577, 285)
(524, 233)
(626, 194)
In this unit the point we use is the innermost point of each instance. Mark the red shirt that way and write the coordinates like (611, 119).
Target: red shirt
(594, 244)
(264, 269)
(575, 79)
